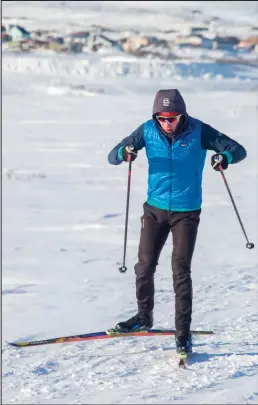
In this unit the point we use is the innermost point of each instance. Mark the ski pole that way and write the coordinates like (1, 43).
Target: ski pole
(124, 268)
(249, 245)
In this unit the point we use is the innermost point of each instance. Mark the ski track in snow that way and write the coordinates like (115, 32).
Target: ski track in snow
(63, 228)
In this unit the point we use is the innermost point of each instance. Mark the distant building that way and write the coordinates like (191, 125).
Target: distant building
(17, 32)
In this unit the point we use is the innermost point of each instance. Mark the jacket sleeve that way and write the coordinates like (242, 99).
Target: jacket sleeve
(136, 139)
(212, 139)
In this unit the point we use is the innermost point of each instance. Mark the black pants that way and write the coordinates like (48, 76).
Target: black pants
(156, 225)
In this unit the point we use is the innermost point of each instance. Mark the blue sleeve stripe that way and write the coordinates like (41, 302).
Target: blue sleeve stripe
(229, 156)
(120, 154)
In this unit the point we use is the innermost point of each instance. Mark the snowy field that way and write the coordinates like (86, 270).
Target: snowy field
(63, 227)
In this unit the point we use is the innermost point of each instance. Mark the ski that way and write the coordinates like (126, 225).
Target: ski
(109, 334)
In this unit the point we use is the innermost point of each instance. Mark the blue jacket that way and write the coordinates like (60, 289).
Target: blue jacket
(176, 166)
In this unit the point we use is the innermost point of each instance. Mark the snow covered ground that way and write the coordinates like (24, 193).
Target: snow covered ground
(63, 229)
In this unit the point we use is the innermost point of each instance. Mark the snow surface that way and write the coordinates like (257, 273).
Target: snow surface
(63, 228)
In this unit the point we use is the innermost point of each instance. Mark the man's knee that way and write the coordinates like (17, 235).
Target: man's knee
(181, 266)
(145, 268)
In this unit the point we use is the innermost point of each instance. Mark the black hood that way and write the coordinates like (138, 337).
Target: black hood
(169, 100)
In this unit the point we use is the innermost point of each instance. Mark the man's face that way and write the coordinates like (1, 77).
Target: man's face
(168, 122)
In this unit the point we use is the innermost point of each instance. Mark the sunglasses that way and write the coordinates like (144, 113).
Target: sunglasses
(169, 119)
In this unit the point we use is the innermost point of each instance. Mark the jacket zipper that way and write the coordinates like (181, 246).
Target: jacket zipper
(170, 145)
(170, 194)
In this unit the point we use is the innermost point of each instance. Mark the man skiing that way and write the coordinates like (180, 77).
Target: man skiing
(176, 145)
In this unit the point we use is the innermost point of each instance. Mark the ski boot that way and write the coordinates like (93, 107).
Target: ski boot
(184, 347)
(136, 323)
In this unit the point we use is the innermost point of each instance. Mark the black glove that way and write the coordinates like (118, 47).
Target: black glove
(218, 160)
(129, 154)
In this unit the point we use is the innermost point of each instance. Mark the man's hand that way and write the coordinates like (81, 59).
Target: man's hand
(129, 154)
(218, 160)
